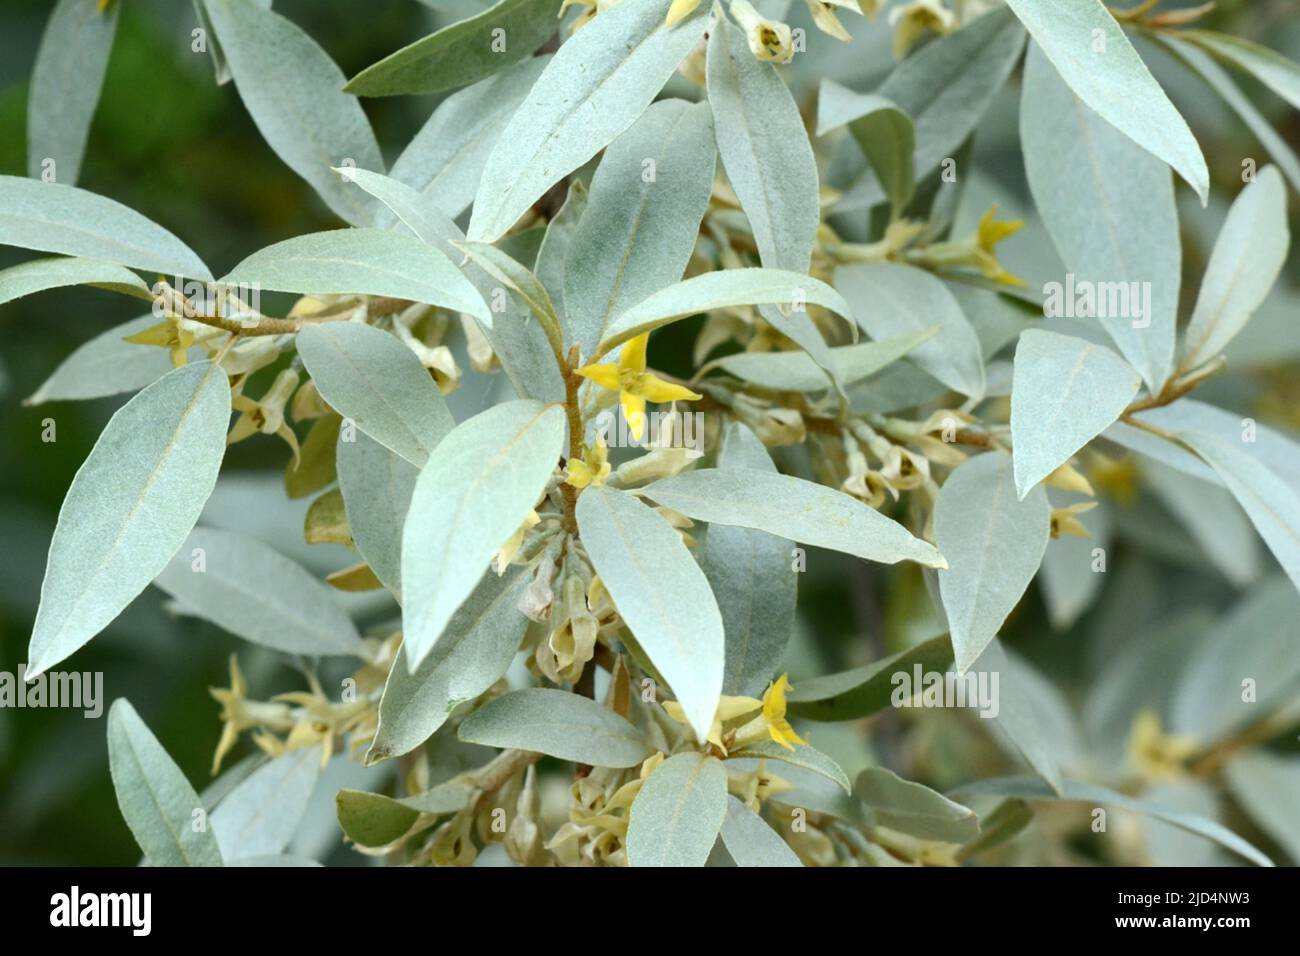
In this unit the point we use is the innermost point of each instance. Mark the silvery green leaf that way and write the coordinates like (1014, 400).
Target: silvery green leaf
(1064, 393)
(861, 692)
(41, 274)
(559, 724)
(1161, 450)
(994, 543)
(1091, 53)
(65, 86)
(1275, 71)
(1246, 668)
(1218, 79)
(785, 505)
(764, 149)
(445, 159)
(1245, 263)
(369, 376)
(1068, 580)
(642, 217)
(469, 499)
(130, 506)
(1266, 785)
(254, 592)
(1272, 504)
(750, 841)
(809, 758)
(259, 817)
(890, 299)
(1028, 788)
(1144, 675)
(417, 211)
(521, 281)
(1027, 709)
(788, 291)
(480, 643)
(361, 261)
(373, 820)
(1117, 232)
(156, 800)
(679, 810)
(1212, 517)
(661, 594)
(947, 85)
(219, 65)
(911, 808)
(294, 93)
(463, 52)
(50, 217)
(106, 365)
(752, 576)
(553, 250)
(884, 133)
(376, 484)
(600, 81)
(791, 371)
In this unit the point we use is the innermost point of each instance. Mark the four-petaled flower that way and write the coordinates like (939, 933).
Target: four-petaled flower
(635, 386)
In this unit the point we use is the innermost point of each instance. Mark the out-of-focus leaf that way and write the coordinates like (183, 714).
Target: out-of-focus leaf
(861, 692)
(376, 484)
(911, 808)
(259, 817)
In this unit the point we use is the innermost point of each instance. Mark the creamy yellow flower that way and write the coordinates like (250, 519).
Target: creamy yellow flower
(1066, 521)
(503, 557)
(635, 386)
(823, 14)
(169, 334)
(1068, 478)
(771, 723)
(768, 39)
(1155, 754)
(592, 468)
(729, 708)
(680, 10)
(238, 713)
(914, 21)
(267, 415)
(979, 251)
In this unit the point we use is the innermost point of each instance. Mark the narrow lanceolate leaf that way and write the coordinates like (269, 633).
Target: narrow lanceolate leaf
(890, 801)
(884, 133)
(642, 217)
(66, 80)
(785, 505)
(480, 643)
(376, 484)
(1275, 71)
(676, 817)
(294, 92)
(369, 376)
(463, 52)
(156, 800)
(796, 371)
(254, 592)
(416, 212)
(130, 506)
(1212, 517)
(1265, 784)
(520, 280)
(1091, 53)
(106, 365)
(750, 841)
(471, 497)
(753, 579)
(1037, 727)
(259, 817)
(599, 82)
(1246, 261)
(765, 150)
(219, 65)
(1028, 788)
(41, 274)
(1271, 503)
(1065, 391)
(559, 724)
(662, 595)
(863, 691)
(889, 299)
(947, 85)
(994, 544)
(445, 159)
(789, 291)
(51, 217)
(1117, 233)
(361, 261)
(809, 758)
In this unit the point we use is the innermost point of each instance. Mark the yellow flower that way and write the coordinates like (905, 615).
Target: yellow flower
(1068, 478)
(502, 559)
(635, 386)
(1154, 754)
(238, 713)
(823, 14)
(591, 469)
(1065, 520)
(978, 251)
(680, 10)
(768, 39)
(729, 708)
(168, 334)
(266, 416)
(771, 723)
(912, 22)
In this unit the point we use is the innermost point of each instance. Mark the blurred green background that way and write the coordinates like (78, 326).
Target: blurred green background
(170, 143)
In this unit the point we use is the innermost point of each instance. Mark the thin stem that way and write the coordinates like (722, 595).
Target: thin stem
(572, 381)
(498, 772)
(1177, 388)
